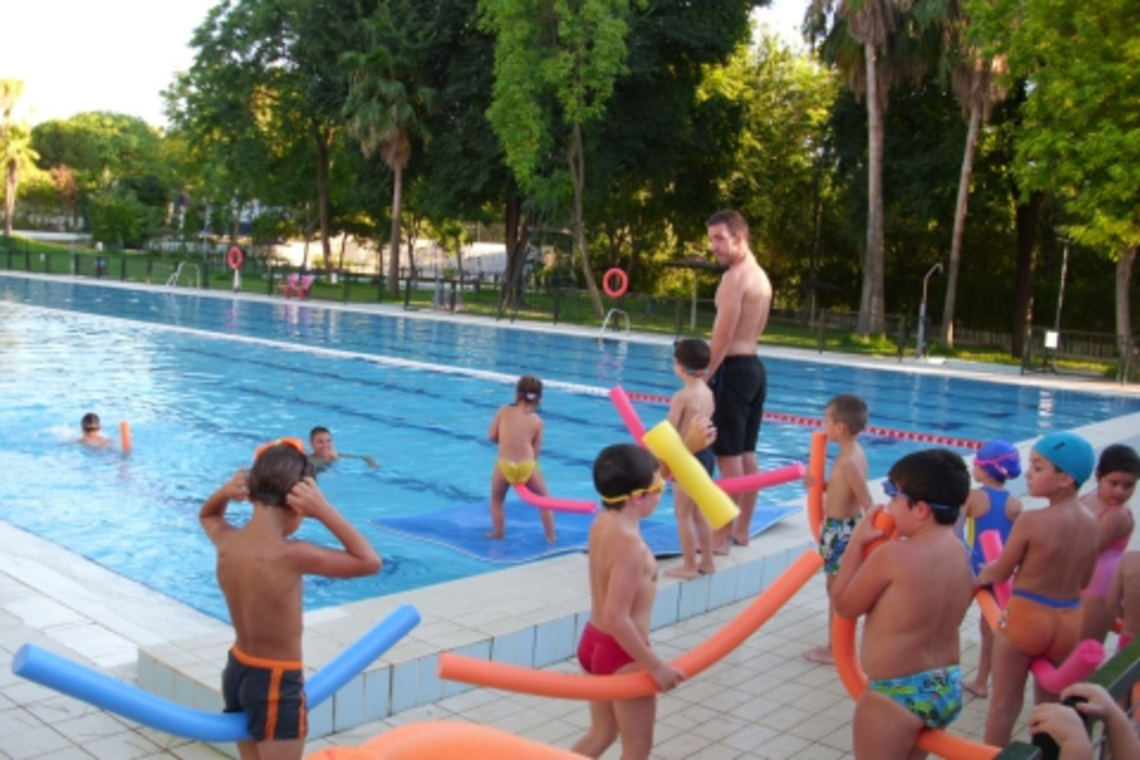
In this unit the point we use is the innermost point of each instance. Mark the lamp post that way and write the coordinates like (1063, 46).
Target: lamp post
(921, 345)
(1061, 290)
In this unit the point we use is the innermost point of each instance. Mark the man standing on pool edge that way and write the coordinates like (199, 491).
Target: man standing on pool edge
(738, 379)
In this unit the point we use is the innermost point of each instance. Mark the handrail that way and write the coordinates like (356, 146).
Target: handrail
(172, 281)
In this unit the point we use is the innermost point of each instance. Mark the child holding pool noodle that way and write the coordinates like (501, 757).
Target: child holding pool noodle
(915, 594)
(260, 572)
(1053, 552)
(692, 402)
(846, 497)
(991, 507)
(623, 584)
(91, 425)
(517, 429)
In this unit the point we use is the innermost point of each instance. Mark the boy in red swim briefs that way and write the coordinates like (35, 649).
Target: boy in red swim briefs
(1053, 552)
(623, 584)
(260, 571)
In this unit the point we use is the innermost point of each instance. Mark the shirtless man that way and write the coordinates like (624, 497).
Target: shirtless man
(738, 379)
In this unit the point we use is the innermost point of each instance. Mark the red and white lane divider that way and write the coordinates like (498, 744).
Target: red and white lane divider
(795, 419)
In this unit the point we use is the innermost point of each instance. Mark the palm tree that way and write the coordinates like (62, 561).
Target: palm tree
(15, 147)
(385, 108)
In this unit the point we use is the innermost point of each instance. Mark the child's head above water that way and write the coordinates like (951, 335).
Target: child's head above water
(850, 410)
(278, 468)
(999, 460)
(936, 476)
(90, 423)
(622, 471)
(1069, 453)
(529, 388)
(692, 354)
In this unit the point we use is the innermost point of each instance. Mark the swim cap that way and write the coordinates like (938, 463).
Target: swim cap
(999, 459)
(1069, 453)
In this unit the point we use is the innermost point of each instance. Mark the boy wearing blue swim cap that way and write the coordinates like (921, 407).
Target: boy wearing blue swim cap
(1051, 554)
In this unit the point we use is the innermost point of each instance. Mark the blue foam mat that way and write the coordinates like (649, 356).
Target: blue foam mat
(462, 528)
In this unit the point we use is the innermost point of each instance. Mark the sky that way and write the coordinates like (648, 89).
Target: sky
(118, 55)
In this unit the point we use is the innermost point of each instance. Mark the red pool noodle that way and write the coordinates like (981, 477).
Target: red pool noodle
(582, 506)
(1078, 666)
(125, 435)
(851, 673)
(627, 413)
(543, 683)
(759, 480)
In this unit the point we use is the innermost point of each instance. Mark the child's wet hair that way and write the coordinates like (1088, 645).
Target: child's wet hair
(529, 388)
(1118, 458)
(936, 476)
(275, 472)
(850, 410)
(621, 469)
(317, 431)
(692, 354)
(90, 422)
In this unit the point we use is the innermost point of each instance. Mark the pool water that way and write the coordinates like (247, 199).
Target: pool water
(204, 380)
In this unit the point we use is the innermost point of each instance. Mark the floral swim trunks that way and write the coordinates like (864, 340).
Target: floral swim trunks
(833, 538)
(935, 696)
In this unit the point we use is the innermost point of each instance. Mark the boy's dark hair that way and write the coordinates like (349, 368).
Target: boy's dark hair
(317, 431)
(275, 472)
(850, 410)
(733, 219)
(937, 476)
(529, 388)
(1118, 458)
(621, 469)
(693, 354)
(90, 422)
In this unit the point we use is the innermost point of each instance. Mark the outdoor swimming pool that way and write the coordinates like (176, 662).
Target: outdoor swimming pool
(204, 379)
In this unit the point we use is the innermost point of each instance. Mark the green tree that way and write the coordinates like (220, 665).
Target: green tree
(556, 62)
(16, 151)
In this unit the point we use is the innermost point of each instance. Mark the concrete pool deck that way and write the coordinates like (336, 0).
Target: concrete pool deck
(761, 701)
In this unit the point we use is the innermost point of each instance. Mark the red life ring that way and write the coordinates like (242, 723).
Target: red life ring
(235, 257)
(622, 286)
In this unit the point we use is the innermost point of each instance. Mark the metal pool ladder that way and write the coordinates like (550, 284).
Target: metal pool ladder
(618, 316)
(173, 279)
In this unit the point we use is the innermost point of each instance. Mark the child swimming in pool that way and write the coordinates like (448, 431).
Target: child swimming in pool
(846, 496)
(991, 507)
(90, 424)
(1053, 552)
(915, 594)
(1116, 472)
(623, 584)
(517, 429)
(325, 453)
(693, 402)
(260, 573)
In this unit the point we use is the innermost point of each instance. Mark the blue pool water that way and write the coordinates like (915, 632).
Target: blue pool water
(203, 380)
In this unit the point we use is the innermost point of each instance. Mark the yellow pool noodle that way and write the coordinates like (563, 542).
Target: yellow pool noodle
(717, 506)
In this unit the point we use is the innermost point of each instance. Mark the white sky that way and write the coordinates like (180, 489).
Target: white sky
(118, 55)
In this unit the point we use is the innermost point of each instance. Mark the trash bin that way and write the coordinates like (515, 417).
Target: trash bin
(100, 267)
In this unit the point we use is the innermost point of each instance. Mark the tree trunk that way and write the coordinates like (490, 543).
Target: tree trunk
(11, 181)
(577, 161)
(323, 138)
(1123, 303)
(872, 302)
(1028, 216)
(959, 226)
(394, 245)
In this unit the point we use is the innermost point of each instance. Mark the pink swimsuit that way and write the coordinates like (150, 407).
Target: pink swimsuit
(1106, 563)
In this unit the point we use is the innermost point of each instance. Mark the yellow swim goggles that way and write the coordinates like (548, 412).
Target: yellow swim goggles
(658, 486)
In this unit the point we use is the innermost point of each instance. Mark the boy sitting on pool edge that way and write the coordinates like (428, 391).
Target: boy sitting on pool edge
(260, 573)
(623, 585)
(915, 594)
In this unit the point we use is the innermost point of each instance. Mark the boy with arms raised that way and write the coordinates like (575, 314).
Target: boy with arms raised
(692, 403)
(260, 573)
(915, 593)
(623, 584)
(846, 497)
(1053, 552)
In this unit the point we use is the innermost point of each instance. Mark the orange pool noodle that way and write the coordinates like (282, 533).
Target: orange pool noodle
(544, 683)
(125, 435)
(851, 673)
(436, 739)
(817, 462)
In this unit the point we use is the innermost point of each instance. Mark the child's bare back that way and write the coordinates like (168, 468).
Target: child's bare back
(844, 497)
(517, 429)
(1054, 550)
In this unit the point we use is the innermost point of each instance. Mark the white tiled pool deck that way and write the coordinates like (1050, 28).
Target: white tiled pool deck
(761, 701)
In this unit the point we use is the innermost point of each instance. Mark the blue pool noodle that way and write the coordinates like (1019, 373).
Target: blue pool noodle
(131, 702)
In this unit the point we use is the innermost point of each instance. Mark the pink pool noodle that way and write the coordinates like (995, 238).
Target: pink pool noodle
(759, 480)
(1078, 666)
(555, 505)
(628, 414)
